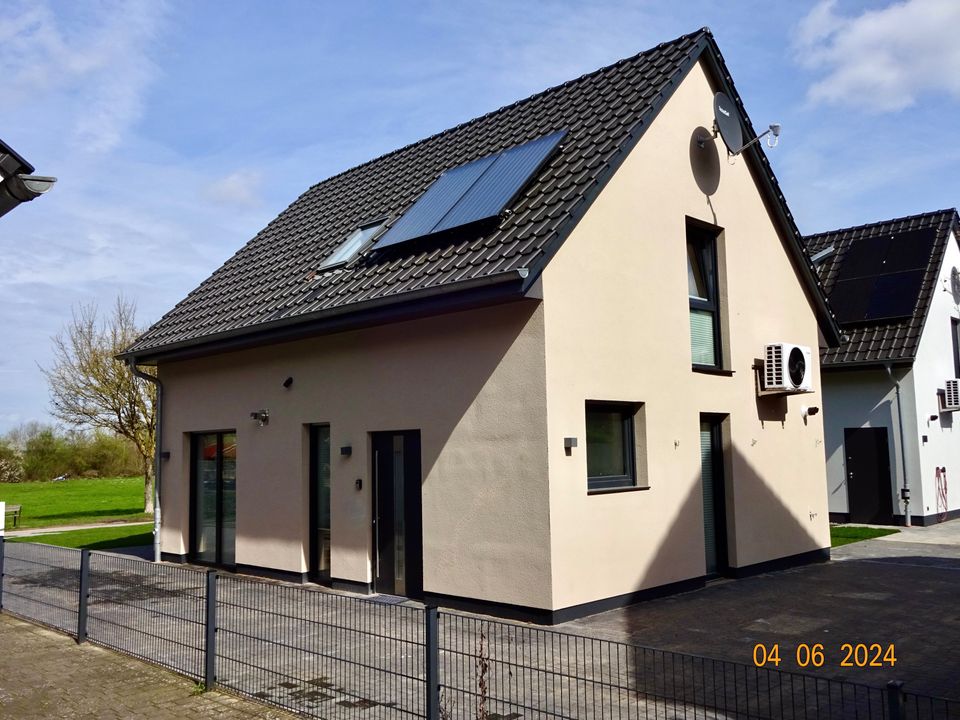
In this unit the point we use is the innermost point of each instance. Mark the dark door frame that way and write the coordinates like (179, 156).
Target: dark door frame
(721, 539)
(194, 481)
(413, 510)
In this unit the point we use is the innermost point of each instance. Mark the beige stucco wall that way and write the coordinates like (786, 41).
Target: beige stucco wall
(472, 382)
(617, 328)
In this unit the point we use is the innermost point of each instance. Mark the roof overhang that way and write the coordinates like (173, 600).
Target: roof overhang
(431, 301)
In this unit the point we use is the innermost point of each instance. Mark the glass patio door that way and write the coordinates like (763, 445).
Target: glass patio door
(214, 516)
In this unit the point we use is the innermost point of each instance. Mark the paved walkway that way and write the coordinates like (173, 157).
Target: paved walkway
(901, 589)
(65, 528)
(46, 675)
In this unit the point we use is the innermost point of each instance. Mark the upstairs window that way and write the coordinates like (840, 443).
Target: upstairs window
(704, 297)
(955, 333)
(359, 240)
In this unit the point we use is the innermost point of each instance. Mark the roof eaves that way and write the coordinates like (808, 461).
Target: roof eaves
(487, 289)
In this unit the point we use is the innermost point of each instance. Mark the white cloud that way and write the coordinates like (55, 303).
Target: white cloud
(881, 60)
(240, 189)
(99, 64)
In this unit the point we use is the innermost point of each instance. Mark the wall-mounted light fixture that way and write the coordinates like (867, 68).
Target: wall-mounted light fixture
(288, 382)
(261, 417)
(568, 444)
(359, 484)
(346, 450)
(165, 455)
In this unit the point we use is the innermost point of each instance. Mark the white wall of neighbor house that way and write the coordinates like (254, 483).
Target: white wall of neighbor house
(933, 365)
(472, 383)
(867, 399)
(617, 328)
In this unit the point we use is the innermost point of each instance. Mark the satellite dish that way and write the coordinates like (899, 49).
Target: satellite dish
(727, 120)
(955, 284)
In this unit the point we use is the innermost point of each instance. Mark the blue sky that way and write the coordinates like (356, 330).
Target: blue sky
(179, 129)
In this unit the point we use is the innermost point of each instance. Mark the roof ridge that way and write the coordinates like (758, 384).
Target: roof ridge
(878, 223)
(466, 123)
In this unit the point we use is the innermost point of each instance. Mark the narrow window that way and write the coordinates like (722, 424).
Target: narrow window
(703, 291)
(955, 333)
(214, 498)
(320, 502)
(611, 445)
(355, 243)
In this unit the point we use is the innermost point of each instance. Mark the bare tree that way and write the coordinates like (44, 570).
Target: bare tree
(89, 387)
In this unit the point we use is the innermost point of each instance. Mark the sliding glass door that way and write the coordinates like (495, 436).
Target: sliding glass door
(214, 498)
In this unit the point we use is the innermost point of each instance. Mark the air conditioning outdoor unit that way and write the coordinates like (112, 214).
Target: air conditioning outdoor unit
(951, 395)
(787, 368)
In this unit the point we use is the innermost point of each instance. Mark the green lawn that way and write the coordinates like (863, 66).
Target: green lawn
(845, 534)
(76, 501)
(95, 539)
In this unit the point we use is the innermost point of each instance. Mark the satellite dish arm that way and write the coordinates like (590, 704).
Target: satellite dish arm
(774, 129)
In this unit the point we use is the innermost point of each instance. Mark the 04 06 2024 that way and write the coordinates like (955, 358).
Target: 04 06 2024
(851, 655)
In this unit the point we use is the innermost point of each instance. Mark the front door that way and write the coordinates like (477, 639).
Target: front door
(214, 496)
(869, 492)
(397, 526)
(714, 497)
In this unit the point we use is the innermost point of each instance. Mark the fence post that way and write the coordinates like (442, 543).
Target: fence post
(84, 592)
(210, 656)
(895, 700)
(432, 661)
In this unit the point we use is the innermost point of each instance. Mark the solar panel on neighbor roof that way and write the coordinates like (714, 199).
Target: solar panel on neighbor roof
(880, 277)
(477, 191)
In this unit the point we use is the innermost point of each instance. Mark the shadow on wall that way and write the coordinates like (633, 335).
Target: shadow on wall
(883, 415)
(760, 529)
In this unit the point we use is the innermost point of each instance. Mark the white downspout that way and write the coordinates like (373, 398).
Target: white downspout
(903, 450)
(157, 451)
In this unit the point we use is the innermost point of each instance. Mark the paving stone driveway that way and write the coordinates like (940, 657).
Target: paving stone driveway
(45, 675)
(903, 589)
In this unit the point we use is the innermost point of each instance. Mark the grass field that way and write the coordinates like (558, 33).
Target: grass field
(97, 538)
(845, 534)
(76, 501)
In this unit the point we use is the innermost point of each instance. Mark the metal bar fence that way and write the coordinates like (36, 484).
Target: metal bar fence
(318, 653)
(496, 669)
(335, 656)
(41, 583)
(923, 707)
(152, 611)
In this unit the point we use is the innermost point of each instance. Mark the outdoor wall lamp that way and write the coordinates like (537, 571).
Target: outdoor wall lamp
(568, 444)
(261, 417)
(288, 382)
(346, 450)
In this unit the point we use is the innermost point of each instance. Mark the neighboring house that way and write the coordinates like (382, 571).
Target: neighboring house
(510, 366)
(17, 183)
(895, 288)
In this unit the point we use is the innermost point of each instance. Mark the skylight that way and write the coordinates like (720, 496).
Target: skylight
(358, 240)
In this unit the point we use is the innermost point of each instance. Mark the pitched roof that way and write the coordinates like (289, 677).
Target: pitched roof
(271, 288)
(894, 340)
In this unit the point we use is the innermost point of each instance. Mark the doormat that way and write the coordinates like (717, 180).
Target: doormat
(389, 599)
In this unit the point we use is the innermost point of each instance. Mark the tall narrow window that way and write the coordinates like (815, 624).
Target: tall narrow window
(703, 291)
(320, 502)
(214, 518)
(955, 333)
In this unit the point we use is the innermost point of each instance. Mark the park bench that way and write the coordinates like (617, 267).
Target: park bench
(13, 513)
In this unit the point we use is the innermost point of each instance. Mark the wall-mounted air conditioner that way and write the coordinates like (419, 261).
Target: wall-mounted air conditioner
(951, 396)
(787, 368)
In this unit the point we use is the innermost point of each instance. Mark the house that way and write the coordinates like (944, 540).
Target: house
(17, 182)
(890, 436)
(512, 366)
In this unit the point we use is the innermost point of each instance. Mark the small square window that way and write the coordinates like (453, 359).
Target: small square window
(356, 242)
(611, 445)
